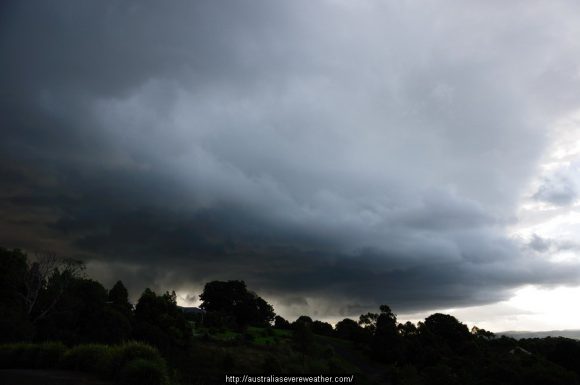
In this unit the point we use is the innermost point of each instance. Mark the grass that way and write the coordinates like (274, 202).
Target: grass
(269, 350)
(252, 335)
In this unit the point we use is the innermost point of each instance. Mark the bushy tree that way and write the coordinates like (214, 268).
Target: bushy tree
(369, 322)
(83, 315)
(447, 329)
(350, 330)
(303, 338)
(281, 323)
(119, 298)
(302, 320)
(232, 298)
(322, 328)
(159, 321)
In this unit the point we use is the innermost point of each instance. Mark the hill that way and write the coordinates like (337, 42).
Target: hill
(518, 335)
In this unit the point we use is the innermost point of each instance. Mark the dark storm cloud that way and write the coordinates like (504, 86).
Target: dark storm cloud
(345, 153)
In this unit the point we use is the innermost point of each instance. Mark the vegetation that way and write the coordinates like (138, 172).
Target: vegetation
(129, 363)
(55, 317)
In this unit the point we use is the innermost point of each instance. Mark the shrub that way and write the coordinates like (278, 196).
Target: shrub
(130, 363)
(143, 372)
(93, 358)
(16, 356)
(131, 351)
(109, 361)
(31, 356)
(49, 354)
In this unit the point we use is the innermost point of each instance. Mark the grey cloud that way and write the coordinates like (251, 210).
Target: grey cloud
(540, 244)
(560, 188)
(359, 152)
(553, 245)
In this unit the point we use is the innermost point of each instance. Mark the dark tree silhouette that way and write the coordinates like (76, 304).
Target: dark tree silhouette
(368, 321)
(281, 323)
(322, 328)
(47, 280)
(302, 320)
(232, 298)
(303, 337)
(119, 296)
(14, 322)
(446, 327)
(350, 330)
(386, 342)
(158, 320)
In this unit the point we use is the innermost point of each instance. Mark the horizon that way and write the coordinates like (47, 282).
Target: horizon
(335, 156)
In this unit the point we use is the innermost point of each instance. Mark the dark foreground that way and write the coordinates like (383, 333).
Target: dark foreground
(47, 377)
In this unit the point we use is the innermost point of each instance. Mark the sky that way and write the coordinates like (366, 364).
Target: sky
(335, 155)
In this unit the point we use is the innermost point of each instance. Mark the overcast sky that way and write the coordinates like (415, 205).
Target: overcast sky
(335, 155)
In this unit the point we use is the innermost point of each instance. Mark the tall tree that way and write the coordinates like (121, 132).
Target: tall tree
(119, 298)
(386, 341)
(46, 281)
(14, 322)
(160, 321)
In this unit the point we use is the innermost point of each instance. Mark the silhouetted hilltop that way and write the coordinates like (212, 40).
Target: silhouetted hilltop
(54, 317)
(520, 334)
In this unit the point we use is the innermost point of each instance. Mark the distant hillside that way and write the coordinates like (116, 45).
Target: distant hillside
(575, 334)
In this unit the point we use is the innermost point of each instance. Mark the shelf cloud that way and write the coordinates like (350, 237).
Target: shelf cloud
(344, 153)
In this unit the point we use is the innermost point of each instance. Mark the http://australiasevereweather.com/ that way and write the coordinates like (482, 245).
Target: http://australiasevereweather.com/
(279, 379)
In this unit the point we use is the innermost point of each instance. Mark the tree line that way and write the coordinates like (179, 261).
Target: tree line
(50, 299)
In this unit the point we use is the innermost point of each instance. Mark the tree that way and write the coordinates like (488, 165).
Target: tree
(447, 327)
(350, 330)
(302, 320)
(368, 321)
(31, 289)
(119, 298)
(281, 323)
(322, 328)
(482, 333)
(14, 323)
(386, 342)
(408, 329)
(46, 281)
(160, 321)
(303, 338)
(264, 312)
(232, 298)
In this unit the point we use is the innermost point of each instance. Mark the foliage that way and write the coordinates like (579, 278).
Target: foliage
(118, 297)
(386, 342)
(14, 323)
(322, 328)
(130, 363)
(232, 298)
(75, 311)
(92, 358)
(84, 316)
(143, 372)
(159, 321)
(31, 356)
(351, 330)
(281, 323)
